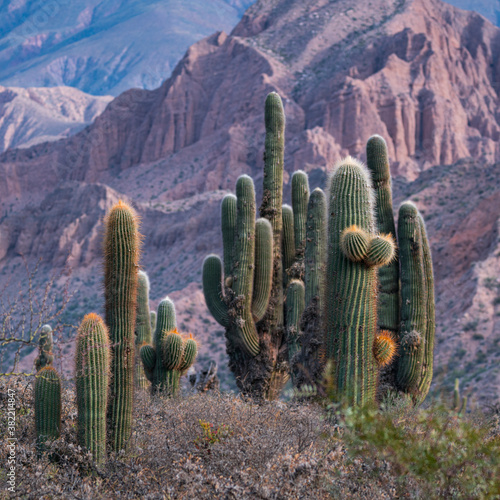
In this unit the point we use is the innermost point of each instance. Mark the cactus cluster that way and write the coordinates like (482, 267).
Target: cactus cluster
(171, 355)
(330, 290)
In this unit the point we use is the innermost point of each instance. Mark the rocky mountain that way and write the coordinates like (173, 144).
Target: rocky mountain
(103, 46)
(421, 73)
(34, 115)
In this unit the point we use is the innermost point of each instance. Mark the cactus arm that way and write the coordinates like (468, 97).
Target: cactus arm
(148, 356)
(142, 326)
(212, 289)
(172, 351)
(245, 332)
(295, 305)
(273, 196)
(263, 276)
(300, 199)
(121, 262)
(430, 327)
(377, 160)
(288, 251)
(228, 218)
(315, 245)
(190, 350)
(413, 291)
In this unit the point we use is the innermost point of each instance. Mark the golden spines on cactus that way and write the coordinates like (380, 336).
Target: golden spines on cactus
(385, 347)
(354, 242)
(122, 249)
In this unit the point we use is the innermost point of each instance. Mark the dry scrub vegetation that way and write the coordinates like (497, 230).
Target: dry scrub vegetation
(206, 446)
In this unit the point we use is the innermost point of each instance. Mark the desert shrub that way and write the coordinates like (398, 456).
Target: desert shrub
(433, 453)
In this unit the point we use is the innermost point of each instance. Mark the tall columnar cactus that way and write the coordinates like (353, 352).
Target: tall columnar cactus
(171, 356)
(308, 364)
(45, 346)
(377, 159)
(355, 251)
(142, 327)
(122, 248)
(271, 327)
(417, 330)
(47, 406)
(92, 368)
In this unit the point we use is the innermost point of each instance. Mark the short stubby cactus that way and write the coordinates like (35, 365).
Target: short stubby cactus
(47, 406)
(355, 251)
(45, 346)
(172, 354)
(122, 248)
(142, 327)
(92, 368)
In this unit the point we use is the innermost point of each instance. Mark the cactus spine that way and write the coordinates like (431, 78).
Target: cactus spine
(45, 346)
(171, 356)
(142, 327)
(47, 406)
(351, 308)
(122, 244)
(92, 382)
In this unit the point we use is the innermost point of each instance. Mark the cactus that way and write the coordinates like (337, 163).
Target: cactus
(415, 364)
(377, 160)
(122, 242)
(350, 305)
(459, 404)
(45, 346)
(413, 306)
(300, 200)
(171, 356)
(248, 267)
(142, 327)
(47, 406)
(92, 380)
(295, 305)
(308, 364)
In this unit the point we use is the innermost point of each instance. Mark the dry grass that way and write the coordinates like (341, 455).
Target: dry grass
(201, 446)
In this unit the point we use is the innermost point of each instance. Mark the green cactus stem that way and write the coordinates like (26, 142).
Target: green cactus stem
(295, 305)
(92, 381)
(351, 307)
(300, 199)
(288, 250)
(142, 327)
(47, 406)
(122, 248)
(45, 346)
(413, 295)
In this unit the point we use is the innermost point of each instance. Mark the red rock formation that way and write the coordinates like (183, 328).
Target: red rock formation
(421, 73)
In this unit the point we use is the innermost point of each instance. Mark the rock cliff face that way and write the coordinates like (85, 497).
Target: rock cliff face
(34, 115)
(421, 73)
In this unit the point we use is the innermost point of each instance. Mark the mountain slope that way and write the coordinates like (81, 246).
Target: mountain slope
(490, 9)
(103, 46)
(421, 73)
(34, 115)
